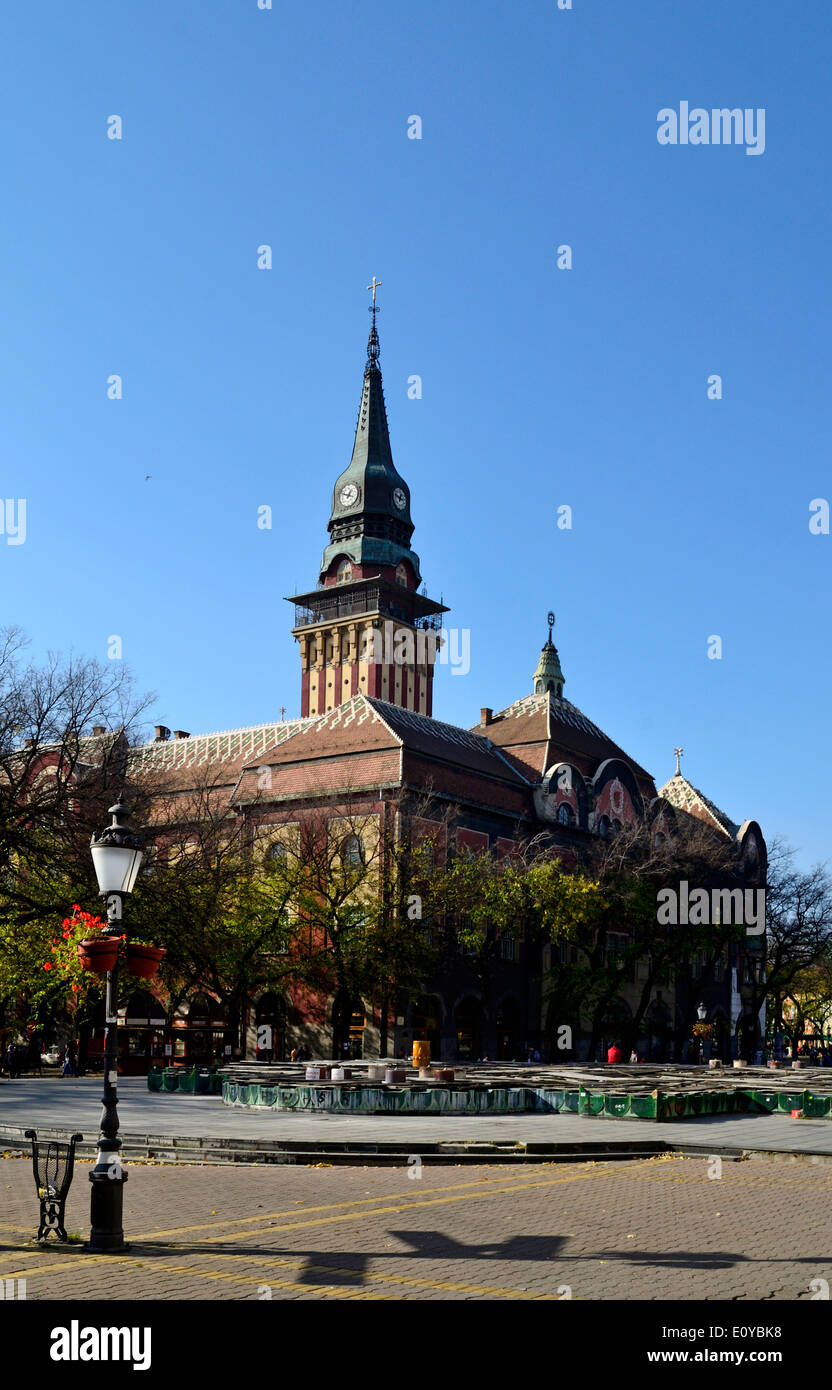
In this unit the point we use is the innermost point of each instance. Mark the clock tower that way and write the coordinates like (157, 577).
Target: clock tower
(368, 627)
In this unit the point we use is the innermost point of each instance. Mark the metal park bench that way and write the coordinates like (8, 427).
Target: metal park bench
(53, 1163)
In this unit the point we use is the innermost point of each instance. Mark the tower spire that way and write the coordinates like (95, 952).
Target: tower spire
(548, 677)
(368, 627)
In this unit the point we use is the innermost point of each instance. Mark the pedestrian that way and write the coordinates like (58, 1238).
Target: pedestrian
(10, 1061)
(615, 1054)
(633, 1057)
(69, 1062)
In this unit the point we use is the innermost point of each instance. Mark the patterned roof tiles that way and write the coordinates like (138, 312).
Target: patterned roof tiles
(686, 797)
(226, 745)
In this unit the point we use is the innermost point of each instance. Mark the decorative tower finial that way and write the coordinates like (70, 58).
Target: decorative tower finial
(373, 349)
(678, 752)
(549, 678)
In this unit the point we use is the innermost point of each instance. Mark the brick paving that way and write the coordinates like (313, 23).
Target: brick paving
(657, 1229)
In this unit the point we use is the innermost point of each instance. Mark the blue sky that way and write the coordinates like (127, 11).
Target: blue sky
(541, 387)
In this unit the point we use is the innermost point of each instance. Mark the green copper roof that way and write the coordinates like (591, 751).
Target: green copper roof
(548, 675)
(370, 519)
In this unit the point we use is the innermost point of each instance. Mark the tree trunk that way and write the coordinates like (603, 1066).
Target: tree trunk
(382, 1033)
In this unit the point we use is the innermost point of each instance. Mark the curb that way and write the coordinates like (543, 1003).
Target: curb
(172, 1148)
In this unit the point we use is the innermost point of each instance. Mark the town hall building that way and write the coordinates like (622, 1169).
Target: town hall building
(368, 638)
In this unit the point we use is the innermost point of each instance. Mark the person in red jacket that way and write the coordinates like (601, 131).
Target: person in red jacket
(614, 1054)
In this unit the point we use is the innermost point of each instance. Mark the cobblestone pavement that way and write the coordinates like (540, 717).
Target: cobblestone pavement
(658, 1228)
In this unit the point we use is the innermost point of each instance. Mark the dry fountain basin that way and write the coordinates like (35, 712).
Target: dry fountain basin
(645, 1092)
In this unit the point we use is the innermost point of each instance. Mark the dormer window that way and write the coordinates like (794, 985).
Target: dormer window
(401, 574)
(343, 574)
(566, 815)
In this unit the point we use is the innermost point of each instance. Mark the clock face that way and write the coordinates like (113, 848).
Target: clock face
(348, 495)
(399, 498)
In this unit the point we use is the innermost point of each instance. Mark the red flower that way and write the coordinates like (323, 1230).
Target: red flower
(76, 907)
(47, 965)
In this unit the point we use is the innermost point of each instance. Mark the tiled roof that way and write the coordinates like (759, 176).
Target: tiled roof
(364, 722)
(563, 711)
(433, 738)
(227, 745)
(181, 764)
(546, 718)
(682, 794)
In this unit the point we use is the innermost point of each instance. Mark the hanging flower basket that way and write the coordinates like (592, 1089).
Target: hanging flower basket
(143, 960)
(98, 953)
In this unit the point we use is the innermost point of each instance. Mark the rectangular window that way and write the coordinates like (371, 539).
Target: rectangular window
(615, 948)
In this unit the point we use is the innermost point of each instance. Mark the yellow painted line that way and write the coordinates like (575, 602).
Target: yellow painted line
(320, 1290)
(736, 1179)
(276, 1229)
(447, 1285)
(134, 1264)
(329, 1206)
(59, 1265)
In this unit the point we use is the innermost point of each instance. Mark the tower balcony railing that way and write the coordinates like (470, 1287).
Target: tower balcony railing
(334, 606)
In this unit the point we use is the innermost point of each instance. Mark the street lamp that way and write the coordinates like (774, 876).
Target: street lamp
(701, 1013)
(116, 857)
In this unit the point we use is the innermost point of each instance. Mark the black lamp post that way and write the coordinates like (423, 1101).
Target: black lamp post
(701, 1014)
(117, 857)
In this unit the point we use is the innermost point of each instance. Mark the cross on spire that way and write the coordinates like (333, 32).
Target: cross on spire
(678, 752)
(550, 618)
(372, 346)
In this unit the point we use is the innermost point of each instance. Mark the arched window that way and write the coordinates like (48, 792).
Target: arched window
(352, 851)
(343, 574)
(604, 827)
(276, 853)
(566, 815)
(401, 574)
